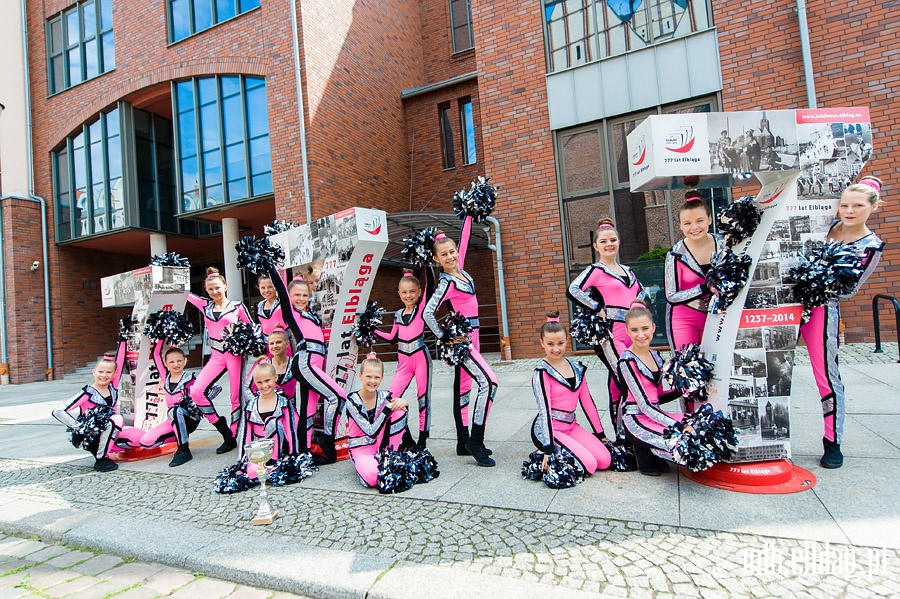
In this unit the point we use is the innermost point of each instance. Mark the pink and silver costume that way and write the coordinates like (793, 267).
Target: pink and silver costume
(184, 414)
(687, 295)
(460, 292)
(366, 431)
(219, 361)
(271, 319)
(641, 417)
(555, 425)
(599, 288)
(280, 425)
(820, 333)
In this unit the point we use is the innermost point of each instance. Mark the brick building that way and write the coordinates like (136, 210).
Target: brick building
(178, 124)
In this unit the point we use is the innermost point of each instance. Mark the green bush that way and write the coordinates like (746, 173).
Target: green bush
(657, 253)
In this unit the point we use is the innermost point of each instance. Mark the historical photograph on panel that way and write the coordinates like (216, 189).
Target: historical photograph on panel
(781, 231)
(744, 413)
(752, 141)
(831, 156)
(761, 298)
(779, 338)
(774, 423)
(780, 365)
(748, 339)
(749, 362)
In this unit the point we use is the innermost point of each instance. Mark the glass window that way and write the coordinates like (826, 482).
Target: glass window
(232, 161)
(447, 146)
(461, 25)
(467, 127)
(187, 17)
(80, 44)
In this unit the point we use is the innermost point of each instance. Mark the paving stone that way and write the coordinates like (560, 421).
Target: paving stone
(204, 588)
(70, 558)
(73, 587)
(140, 592)
(42, 577)
(47, 553)
(168, 581)
(21, 547)
(97, 564)
(249, 593)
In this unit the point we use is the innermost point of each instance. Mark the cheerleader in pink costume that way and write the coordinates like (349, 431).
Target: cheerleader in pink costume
(820, 332)
(103, 393)
(308, 365)
(372, 414)
(219, 312)
(268, 310)
(413, 358)
(559, 385)
(608, 287)
(267, 414)
(642, 420)
(458, 287)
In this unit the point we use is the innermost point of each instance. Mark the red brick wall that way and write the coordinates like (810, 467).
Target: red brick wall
(856, 61)
(440, 62)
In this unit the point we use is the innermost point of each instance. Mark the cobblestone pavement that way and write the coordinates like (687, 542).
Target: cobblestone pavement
(31, 568)
(615, 558)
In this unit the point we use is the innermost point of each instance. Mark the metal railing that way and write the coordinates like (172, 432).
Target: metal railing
(876, 319)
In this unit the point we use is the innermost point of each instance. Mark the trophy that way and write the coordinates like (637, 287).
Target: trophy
(260, 452)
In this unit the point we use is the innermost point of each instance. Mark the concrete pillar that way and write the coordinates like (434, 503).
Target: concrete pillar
(158, 244)
(232, 274)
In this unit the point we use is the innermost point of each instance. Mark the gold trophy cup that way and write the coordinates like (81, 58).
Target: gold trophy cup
(260, 452)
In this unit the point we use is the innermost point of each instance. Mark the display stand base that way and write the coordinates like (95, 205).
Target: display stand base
(133, 455)
(341, 449)
(772, 477)
(264, 520)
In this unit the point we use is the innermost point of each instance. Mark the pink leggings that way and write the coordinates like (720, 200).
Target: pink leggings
(364, 456)
(418, 366)
(820, 333)
(589, 450)
(474, 367)
(609, 353)
(218, 364)
(684, 325)
(312, 383)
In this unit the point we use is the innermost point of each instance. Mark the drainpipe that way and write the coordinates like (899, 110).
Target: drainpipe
(505, 348)
(4, 354)
(300, 111)
(807, 55)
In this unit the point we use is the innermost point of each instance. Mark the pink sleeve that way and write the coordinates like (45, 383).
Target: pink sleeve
(158, 359)
(389, 337)
(120, 364)
(464, 241)
(589, 407)
(244, 315)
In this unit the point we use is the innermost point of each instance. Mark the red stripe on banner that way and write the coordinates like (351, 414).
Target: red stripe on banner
(787, 316)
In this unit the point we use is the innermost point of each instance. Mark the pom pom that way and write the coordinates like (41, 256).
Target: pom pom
(170, 326)
(589, 327)
(193, 410)
(478, 202)
(421, 465)
(234, 479)
(258, 254)
(563, 470)
(417, 248)
(621, 454)
(713, 439)
(89, 425)
(278, 226)
(170, 259)
(126, 328)
(367, 323)
(727, 275)
(689, 371)
(738, 220)
(454, 326)
(292, 469)
(242, 339)
(393, 472)
(825, 272)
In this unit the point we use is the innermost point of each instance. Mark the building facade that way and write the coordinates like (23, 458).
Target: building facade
(179, 125)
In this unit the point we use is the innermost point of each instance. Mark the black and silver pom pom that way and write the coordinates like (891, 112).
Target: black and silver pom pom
(393, 472)
(417, 248)
(258, 254)
(532, 468)
(421, 466)
(478, 202)
(367, 323)
(563, 469)
(242, 339)
(278, 226)
(170, 326)
(738, 220)
(589, 327)
(824, 272)
(621, 455)
(292, 469)
(234, 479)
(689, 372)
(454, 326)
(193, 410)
(726, 278)
(713, 439)
(170, 259)
(126, 328)
(90, 424)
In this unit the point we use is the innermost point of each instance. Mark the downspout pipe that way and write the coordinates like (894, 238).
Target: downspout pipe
(807, 55)
(497, 247)
(301, 111)
(4, 353)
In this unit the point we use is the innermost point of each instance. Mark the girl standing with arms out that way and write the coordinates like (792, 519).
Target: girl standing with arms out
(103, 395)
(268, 310)
(308, 365)
(458, 287)
(643, 421)
(219, 312)
(268, 414)
(414, 360)
(373, 414)
(687, 263)
(559, 385)
(609, 288)
(820, 332)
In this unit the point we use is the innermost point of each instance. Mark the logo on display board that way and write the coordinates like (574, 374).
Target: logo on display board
(372, 225)
(775, 193)
(681, 140)
(167, 307)
(640, 153)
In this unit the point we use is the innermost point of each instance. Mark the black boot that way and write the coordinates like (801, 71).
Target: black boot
(104, 465)
(462, 438)
(182, 456)
(832, 458)
(423, 439)
(407, 443)
(329, 454)
(646, 462)
(228, 442)
(476, 447)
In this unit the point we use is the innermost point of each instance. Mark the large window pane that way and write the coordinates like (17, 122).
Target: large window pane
(460, 23)
(447, 146)
(225, 9)
(76, 49)
(583, 160)
(89, 17)
(202, 15)
(187, 17)
(63, 196)
(467, 126)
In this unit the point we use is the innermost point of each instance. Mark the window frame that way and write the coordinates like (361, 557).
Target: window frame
(79, 44)
(448, 146)
(468, 25)
(467, 131)
(241, 7)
